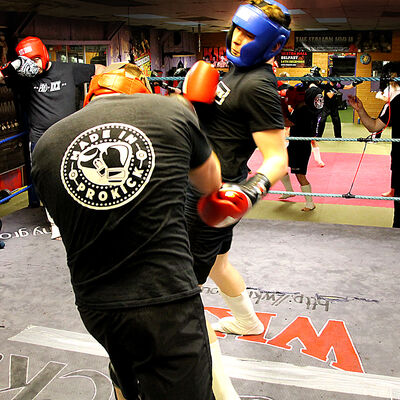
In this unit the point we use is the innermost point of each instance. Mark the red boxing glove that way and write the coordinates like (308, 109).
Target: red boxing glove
(294, 96)
(282, 93)
(200, 84)
(224, 207)
(229, 204)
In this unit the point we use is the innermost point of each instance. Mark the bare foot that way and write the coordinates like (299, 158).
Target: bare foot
(321, 164)
(307, 209)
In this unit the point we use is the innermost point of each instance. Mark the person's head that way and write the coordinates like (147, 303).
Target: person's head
(180, 72)
(118, 78)
(315, 71)
(389, 71)
(33, 48)
(258, 33)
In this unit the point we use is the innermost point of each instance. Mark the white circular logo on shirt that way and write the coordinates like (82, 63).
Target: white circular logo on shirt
(319, 101)
(107, 166)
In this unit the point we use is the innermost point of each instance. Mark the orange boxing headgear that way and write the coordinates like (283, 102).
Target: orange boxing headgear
(32, 47)
(118, 78)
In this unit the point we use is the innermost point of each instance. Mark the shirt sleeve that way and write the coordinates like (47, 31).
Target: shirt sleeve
(83, 72)
(384, 114)
(201, 149)
(262, 106)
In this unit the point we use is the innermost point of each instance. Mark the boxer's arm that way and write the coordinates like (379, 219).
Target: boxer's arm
(207, 177)
(21, 66)
(231, 202)
(373, 125)
(271, 144)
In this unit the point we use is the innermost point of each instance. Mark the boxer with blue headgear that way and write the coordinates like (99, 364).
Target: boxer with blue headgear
(267, 22)
(246, 114)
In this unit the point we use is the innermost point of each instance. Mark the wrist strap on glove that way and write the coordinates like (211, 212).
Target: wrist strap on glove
(256, 187)
(8, 70)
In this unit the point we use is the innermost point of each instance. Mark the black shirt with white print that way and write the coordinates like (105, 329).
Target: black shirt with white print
(247, 101)
(113, 176)
(50, 96)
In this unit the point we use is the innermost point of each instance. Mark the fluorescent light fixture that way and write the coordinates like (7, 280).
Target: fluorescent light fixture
(331, 20)
(141, 16)
(188, 23)
(296, 12)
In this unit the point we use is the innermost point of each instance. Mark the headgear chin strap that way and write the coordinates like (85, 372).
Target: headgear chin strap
(125, 79)
(32, 47)
(267, 35)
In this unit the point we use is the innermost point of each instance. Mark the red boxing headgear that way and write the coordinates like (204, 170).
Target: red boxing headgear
(117, 78)
(32, 47)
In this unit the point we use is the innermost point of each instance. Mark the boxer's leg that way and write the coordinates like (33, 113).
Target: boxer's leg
(222, 386)
(233, 291)
(288, 186)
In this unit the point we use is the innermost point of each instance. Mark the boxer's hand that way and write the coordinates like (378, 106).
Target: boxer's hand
(200, 84)
(230, 203)
(22, 66)
(357, 82)
(355, 102)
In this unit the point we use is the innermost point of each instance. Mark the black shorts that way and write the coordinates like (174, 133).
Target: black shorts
(160, 351)
(206, 242)
(299, 154)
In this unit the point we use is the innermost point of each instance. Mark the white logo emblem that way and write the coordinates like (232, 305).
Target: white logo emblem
(319, 101)
(222, 93)
(107, 166)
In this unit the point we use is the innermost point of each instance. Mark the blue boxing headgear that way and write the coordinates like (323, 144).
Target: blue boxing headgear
(267, 34)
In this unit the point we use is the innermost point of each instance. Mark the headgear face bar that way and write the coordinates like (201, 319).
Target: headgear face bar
(267, 35)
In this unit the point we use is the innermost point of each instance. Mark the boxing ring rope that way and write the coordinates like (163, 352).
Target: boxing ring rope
(13, 137)
(293, 78)
(368, 139)
(342, 196)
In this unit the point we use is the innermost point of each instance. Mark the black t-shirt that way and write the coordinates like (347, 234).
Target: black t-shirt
(306, 115)
(113, 176)
(50, 96)
(393, 112)
(247, 101)
(332, 102)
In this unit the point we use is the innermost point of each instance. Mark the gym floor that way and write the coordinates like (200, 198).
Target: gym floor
(324, 283)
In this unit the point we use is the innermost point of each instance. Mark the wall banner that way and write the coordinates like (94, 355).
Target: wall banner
(344, 41)
(290, 59)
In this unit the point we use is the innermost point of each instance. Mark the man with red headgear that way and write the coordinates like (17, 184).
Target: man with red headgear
(46, 90)
(113, 176)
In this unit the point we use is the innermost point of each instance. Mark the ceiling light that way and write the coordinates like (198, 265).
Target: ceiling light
(141, 16)
(188, 23)
(296, 12)
(331, 20)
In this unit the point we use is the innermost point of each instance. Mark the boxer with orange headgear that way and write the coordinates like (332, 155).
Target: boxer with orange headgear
(114, 176)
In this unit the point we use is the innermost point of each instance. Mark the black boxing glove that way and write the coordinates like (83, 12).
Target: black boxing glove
(25, 67)
(231, 202)
(357, 82)
(22, 66)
